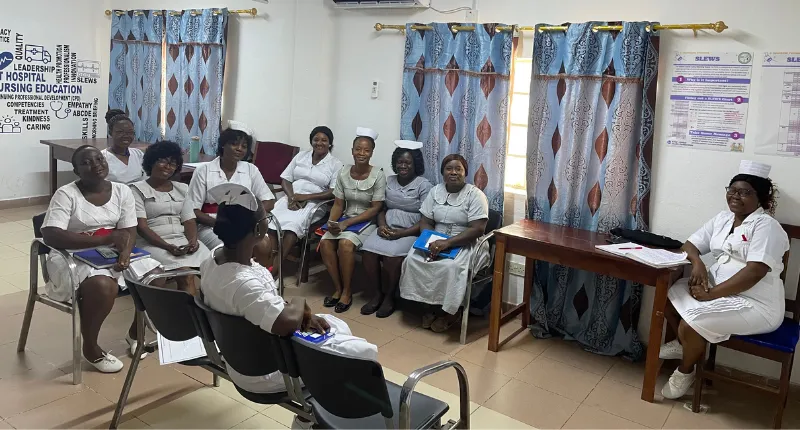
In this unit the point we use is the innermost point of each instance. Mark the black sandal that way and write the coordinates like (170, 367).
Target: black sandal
(342, 307)
(330, 302)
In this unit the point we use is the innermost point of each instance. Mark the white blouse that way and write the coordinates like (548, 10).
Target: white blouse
(125, 173)
(307, 178)
(210, 174)
(69, 210)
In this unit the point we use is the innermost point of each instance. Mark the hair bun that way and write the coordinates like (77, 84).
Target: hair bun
(112, 113)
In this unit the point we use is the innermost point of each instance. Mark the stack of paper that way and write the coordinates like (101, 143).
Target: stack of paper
(644, 255)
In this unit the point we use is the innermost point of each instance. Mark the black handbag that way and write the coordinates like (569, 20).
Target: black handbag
(646, 238)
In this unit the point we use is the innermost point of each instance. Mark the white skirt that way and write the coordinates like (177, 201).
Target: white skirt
(296, 221)
(716, 320)
(60, 286)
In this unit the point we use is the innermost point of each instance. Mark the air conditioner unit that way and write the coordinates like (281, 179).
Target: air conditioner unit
(381, 4)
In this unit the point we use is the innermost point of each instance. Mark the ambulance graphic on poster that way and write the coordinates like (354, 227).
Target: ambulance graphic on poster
(37, 53)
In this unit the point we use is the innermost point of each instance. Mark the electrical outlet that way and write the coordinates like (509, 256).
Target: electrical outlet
(472, 15)
(517, 269)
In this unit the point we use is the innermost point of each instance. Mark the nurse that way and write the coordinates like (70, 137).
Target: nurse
(235, 145)
(124, 162)
(742, 292)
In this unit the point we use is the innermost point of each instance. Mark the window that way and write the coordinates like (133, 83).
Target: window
(516, 159)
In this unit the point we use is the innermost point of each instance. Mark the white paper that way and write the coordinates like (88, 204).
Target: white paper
(709, 99)
(173, 352)
(432, 239)
(195, 165)
(643, 254)
(779, 105)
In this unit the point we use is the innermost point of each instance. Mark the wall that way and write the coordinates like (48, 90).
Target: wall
(687, 184)
(23, 166)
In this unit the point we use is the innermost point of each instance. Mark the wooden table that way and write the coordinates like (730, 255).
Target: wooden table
(62, 149)
(574, 248)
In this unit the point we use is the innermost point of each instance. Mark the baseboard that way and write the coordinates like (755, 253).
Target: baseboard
(23, 202)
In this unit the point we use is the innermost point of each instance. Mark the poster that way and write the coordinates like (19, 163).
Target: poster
(779, 105)
(708, 100)
(44, 85)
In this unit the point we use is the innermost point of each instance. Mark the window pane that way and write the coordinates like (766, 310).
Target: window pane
(518, 141)
(515, 172)
(522, 76)
(519, 109)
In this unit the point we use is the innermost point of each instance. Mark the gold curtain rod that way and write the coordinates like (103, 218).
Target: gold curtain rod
(251, 12)
(718, 26)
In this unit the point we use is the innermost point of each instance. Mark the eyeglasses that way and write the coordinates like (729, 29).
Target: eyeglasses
(741, 192)
(167, 162)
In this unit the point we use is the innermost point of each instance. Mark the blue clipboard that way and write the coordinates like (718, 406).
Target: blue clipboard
(425, 237)
(312, 337)
(93, 258)
(355, 228)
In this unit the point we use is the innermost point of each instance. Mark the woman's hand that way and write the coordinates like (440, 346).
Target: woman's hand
(388, 233)
(192, 247)
(700, 293)
(699, 274)
(123, 262)
(335, 228)
(315, 323)
(438, 246)
(177, 250)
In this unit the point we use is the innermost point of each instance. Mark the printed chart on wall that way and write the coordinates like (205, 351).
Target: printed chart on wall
(709, 97)
(779, 105)
(45, 86)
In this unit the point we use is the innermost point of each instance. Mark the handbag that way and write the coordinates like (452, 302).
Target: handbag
(646, 238)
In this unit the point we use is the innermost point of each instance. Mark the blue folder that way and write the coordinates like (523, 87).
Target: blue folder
(424, 238)
(93, 258)
(355, 228)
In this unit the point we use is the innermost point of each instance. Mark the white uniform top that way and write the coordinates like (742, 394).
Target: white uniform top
(760, 238)
(125, 173)
(210, 174)
(250, 291)
(307, 178)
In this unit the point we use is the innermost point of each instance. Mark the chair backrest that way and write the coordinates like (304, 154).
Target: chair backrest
(246, 348)
(38, 220)
(346, 387)
(792, 305)
(169, 310)
(271, 158)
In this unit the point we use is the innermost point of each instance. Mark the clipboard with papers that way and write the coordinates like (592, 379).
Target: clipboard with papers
(660, 258)
(425, 239)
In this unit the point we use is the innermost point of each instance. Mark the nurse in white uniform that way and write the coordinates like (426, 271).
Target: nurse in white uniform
(235, 145)
(741, 293)
(124, 162)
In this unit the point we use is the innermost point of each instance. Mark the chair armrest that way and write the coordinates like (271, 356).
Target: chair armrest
(473, 260)
(171, 274)
(417, 375)
(37, 242)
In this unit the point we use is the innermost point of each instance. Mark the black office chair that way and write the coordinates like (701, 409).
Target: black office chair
(252, 351)
(171, 313)
(352, 393)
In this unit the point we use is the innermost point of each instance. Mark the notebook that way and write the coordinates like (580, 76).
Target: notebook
(355, 228)
(312, 337)
(652, 257)
(427, 236)
(93, 258)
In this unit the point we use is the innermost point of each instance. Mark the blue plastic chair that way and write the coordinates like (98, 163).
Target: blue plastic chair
(778, 345)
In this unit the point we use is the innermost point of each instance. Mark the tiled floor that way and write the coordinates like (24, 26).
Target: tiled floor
(529, 383)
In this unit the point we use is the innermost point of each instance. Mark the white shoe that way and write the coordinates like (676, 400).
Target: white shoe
(672, 350)
(132, 344)
(107, 363)
(678, 385)
(298, 424)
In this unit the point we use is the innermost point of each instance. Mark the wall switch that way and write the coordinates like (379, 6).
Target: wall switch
(375, 89)
(516, 269)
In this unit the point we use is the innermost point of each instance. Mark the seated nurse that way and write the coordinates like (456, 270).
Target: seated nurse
(89, 213)
(235, 145)
(124, 162)
(742, 292)
(232, 283)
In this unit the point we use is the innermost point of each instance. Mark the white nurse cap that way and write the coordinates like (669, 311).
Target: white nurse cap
(408, 144)
(234, 194)
(366, 132)
(236, 125)
(748, 167)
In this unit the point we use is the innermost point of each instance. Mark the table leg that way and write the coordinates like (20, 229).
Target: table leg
(53, 173)
(497, 293)
(530, 272)
(653, 363)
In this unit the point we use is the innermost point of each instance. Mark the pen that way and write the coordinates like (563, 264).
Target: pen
(634, 247)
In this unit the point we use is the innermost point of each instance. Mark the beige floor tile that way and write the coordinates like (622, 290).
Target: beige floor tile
(13, 227)
(85, 409)
(736, 406)
(22, 280)
(24, 246)
(508, 361)
(280, 415)
(373, 335)
(560, 378)
(7, 251)
(590, 417)
(23, 392)
(15, 237)
(451, 399)
(485, 418)
(197, 373)
(680, 418)
(259, 421)
(6, 288)
(404, 356)
(632, 374)
(625, 401)
(205, 408)
(446, 343)
(483, 383)
(13, 303)
(17, 264)
(14, 363)
(227, 388)
(572, 354)
(532, 405)
(5, 425)
(134, 423)
(399, 323)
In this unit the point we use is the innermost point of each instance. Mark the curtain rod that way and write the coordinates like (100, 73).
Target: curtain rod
(718, 26)
(251, 12)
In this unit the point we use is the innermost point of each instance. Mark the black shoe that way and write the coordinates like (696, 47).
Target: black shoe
(330, 302)
(342, 307)
(370, 308)
(385, 312)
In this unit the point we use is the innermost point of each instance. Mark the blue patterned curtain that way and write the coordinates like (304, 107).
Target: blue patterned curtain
(135, 81)
(590, 142)
(455, 100)
(195, 69)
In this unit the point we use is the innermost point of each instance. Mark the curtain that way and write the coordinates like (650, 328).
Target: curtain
(590, 143)
(455, 100)
(195, 68)
(135, 70)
